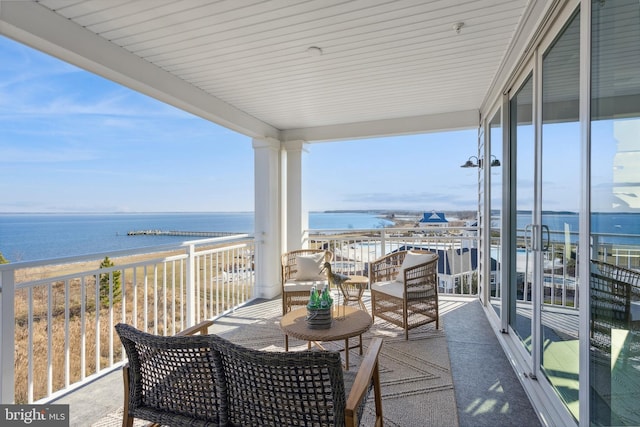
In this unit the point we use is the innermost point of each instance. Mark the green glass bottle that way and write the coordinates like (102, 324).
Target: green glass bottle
(325, 299)
(313, 295)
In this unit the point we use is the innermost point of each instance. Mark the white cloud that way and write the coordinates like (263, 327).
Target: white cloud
(43, 155)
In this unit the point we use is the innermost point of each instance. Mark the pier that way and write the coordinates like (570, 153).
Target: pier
(182, 233)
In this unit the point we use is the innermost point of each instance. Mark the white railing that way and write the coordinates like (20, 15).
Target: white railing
(58, 316)
(353, 250)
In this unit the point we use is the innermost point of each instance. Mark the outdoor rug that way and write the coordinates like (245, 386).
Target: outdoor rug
(417, 386)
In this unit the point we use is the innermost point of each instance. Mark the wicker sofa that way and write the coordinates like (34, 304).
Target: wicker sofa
(205, 380)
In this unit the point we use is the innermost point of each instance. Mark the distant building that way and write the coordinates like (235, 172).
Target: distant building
(433, 219)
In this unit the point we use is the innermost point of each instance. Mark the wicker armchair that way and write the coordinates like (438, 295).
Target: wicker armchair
(299, 274)
(404, 289)
(208, 381)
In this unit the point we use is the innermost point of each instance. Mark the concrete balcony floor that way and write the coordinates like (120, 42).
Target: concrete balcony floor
(487, 391)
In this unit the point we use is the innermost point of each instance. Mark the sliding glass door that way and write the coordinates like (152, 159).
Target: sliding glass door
(495, 211)
(522, 199)
(559, 200)
(568, 239)
(544, 206)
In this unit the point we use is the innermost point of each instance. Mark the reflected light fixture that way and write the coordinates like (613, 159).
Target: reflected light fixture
(470, 163)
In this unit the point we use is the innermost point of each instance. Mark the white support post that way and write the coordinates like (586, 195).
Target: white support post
(7, 336)
(292, 204)
(268, 216)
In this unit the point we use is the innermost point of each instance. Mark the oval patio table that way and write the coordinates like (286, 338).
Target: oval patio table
(347, 322)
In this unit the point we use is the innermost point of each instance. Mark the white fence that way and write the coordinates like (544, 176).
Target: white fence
(58, 316)
(456, 246)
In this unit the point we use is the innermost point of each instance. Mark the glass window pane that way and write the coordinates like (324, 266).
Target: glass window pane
(560, 206)
(614, 359)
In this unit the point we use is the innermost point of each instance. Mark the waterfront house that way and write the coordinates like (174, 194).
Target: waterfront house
(551, 86)
(433, 219)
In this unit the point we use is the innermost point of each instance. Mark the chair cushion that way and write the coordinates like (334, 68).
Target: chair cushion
(411, 259)
(389, 287)
(308, 267)
(396, 289)
(303, 285)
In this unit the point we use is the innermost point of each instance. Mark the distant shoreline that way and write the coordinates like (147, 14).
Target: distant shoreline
(392, 212)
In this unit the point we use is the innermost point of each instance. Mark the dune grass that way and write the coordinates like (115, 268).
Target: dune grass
(64, 325)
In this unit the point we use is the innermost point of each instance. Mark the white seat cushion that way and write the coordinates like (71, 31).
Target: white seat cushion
(303, 285)
(309, 267)
(390, 287)
(411, 259)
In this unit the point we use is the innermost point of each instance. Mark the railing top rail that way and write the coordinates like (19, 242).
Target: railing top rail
(389, 229)
(96, 271)
(125, 252)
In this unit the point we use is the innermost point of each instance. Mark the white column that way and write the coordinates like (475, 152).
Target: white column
(7, 333)
(292, 205)
(268, 216)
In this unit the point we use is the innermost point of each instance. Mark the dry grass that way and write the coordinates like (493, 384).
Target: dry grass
(51, 314)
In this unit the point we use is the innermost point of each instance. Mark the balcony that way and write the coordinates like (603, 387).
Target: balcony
(375, 77)
(65, 309)
(49, 307)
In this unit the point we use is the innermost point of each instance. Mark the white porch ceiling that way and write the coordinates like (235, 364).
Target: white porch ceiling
(387, 67)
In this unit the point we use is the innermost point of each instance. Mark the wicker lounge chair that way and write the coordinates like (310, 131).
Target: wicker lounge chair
(404, 289)
(206, 380)
(301, 270)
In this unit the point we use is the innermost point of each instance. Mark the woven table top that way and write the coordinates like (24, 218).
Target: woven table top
(357, 280)
(347, 322)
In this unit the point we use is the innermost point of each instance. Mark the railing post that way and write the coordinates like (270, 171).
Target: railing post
(191, 287)
(7, 336)
(383, 241)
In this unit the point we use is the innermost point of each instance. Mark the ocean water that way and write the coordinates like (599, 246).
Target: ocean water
(29, 237)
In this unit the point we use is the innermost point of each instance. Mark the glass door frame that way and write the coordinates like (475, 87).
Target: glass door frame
(486, 298)
(584, 231)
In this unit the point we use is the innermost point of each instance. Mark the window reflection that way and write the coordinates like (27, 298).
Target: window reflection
(495, 138)
(615, 213)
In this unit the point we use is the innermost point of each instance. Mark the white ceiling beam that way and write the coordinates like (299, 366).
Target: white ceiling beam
(36, 26)
(442, 122)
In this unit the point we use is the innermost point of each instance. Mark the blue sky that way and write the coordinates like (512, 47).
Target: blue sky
(75, 142)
